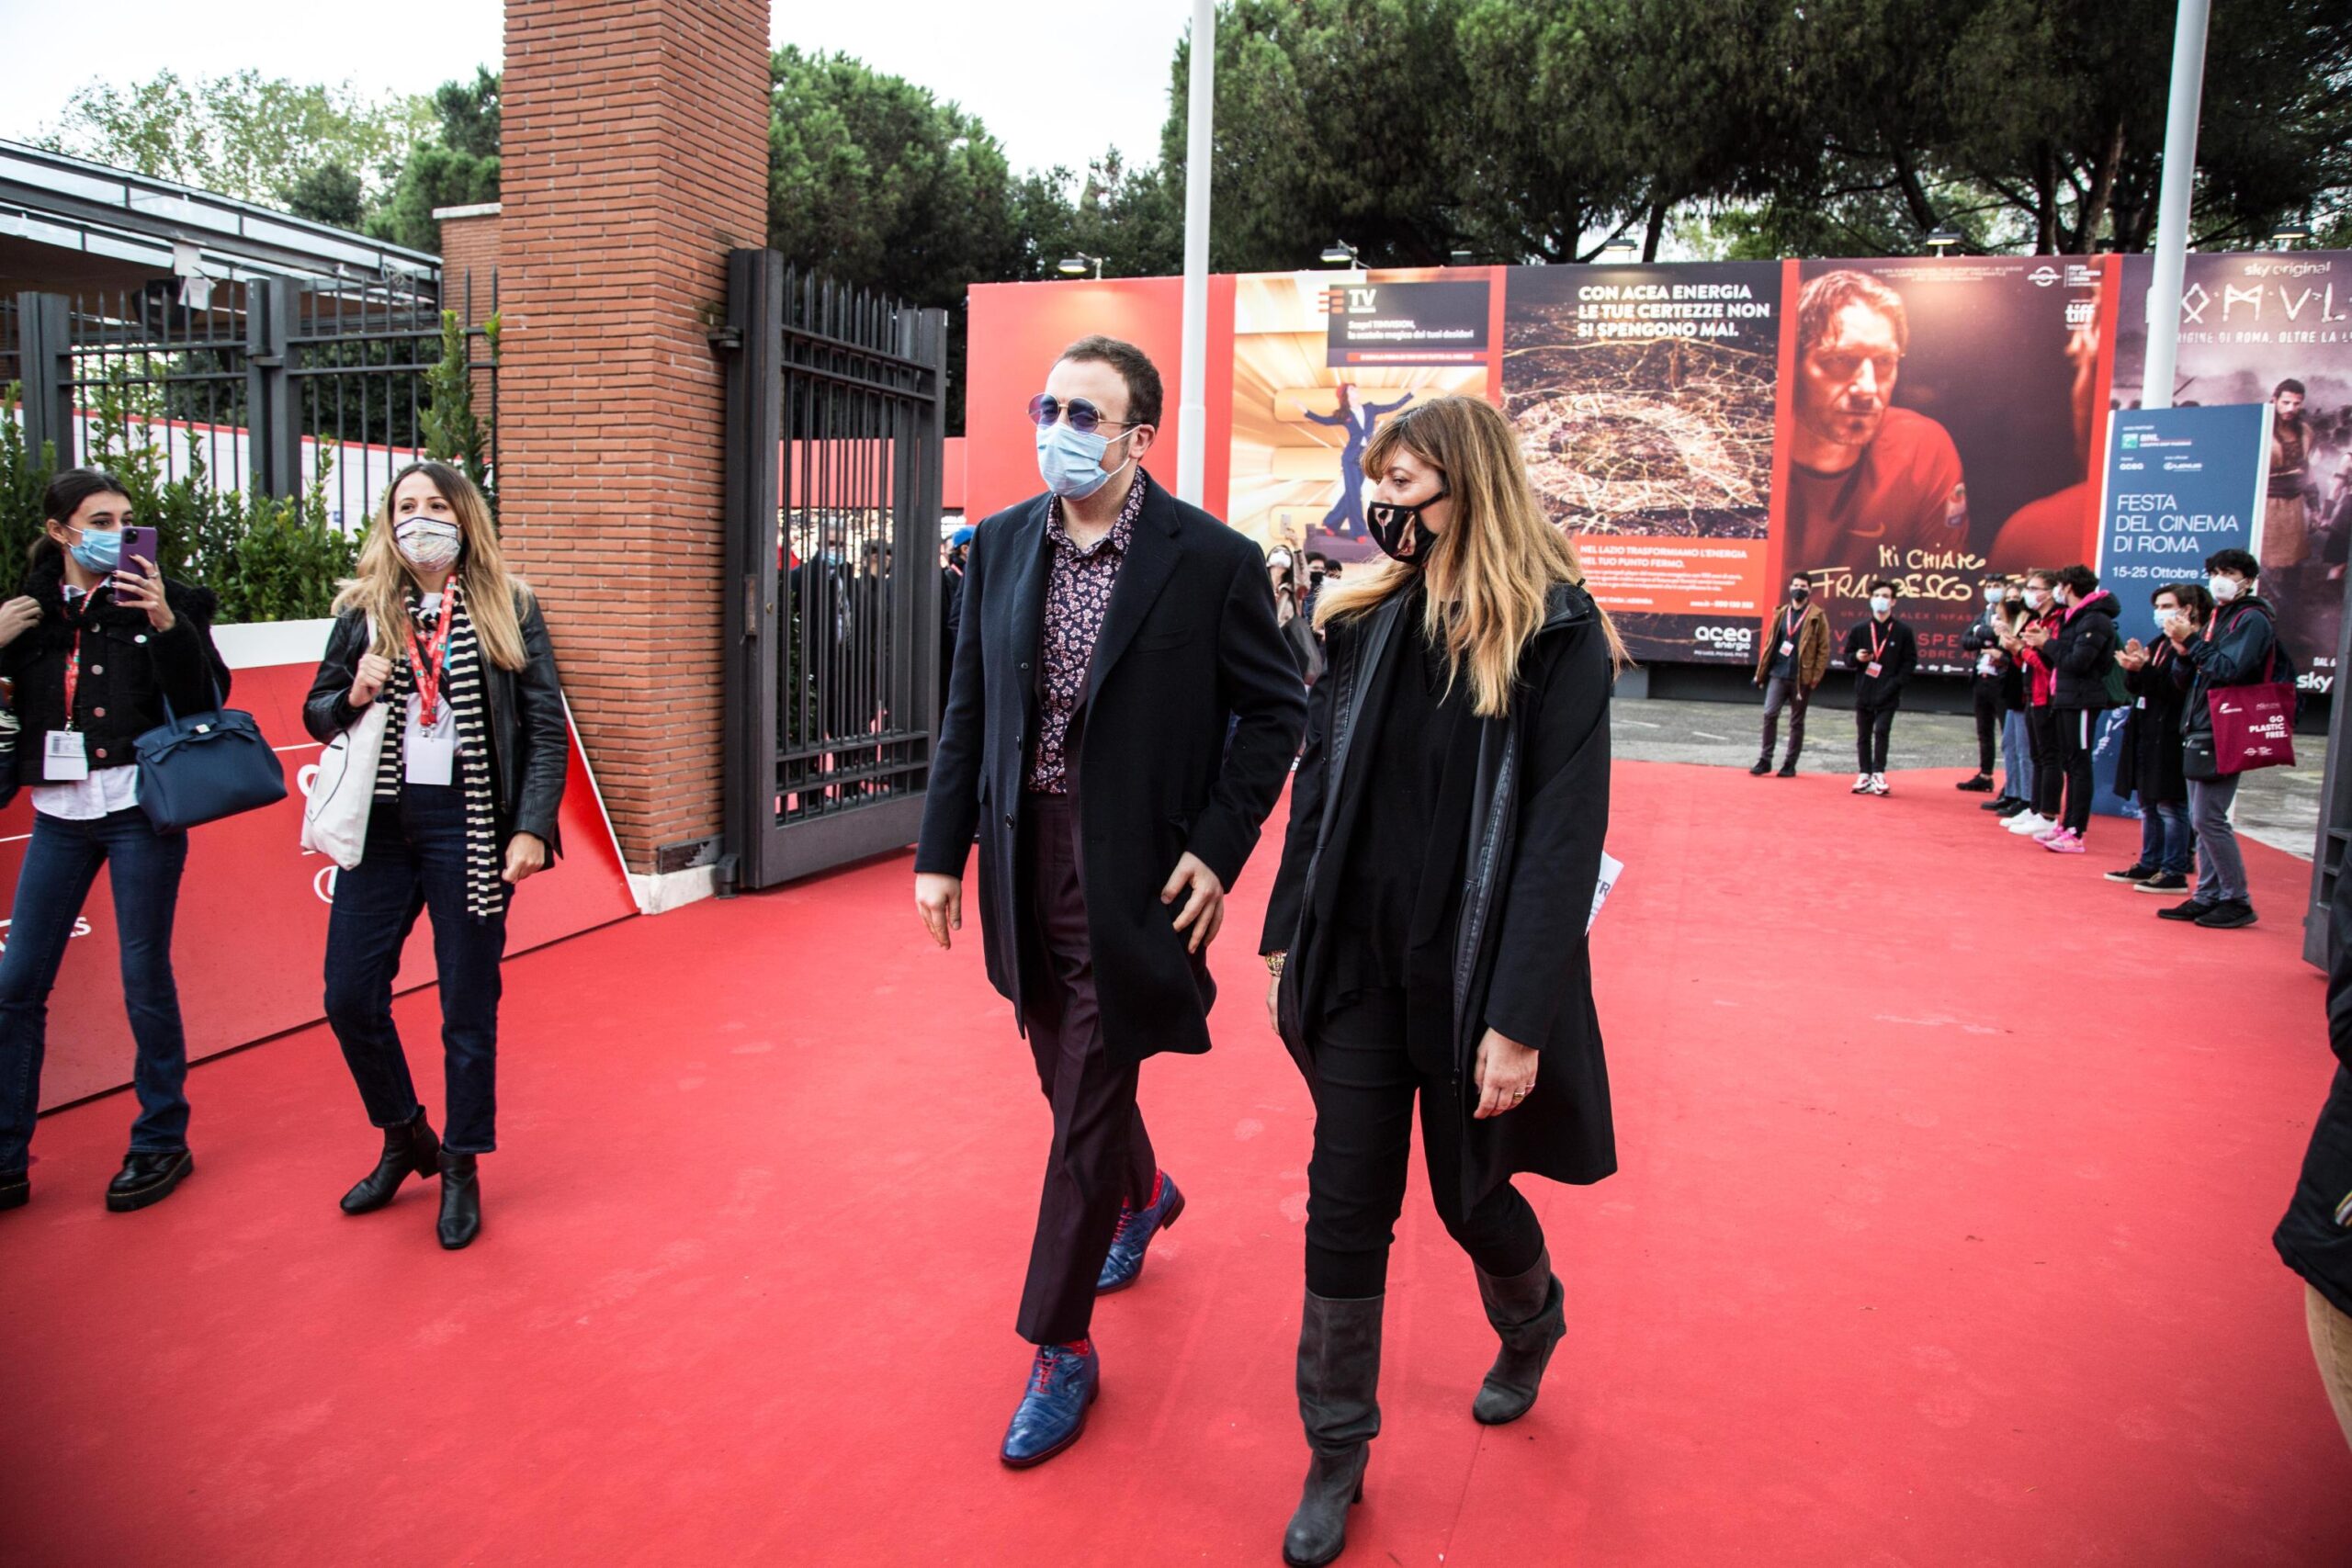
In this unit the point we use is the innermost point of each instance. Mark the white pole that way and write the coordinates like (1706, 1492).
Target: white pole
(1192, 416)
(2172, 204)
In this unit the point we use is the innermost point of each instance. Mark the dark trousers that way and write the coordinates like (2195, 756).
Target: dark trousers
(1783, 692)
(1874, 722)
(2076, 731)
(1987, 697)
(415, 862)
(1365, 1084)
(1101, 1156)
(60, 863)
(2049, 779)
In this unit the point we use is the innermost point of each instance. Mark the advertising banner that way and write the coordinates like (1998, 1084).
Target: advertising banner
(249, 946)
(2272, 328)
(1319, 362)
(1644, 400)
(1940, 422)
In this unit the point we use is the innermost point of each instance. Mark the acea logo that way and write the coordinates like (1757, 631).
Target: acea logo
(2043, 276)
(1724, 638)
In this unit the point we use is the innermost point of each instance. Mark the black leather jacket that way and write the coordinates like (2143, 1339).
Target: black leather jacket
(128, 669)
(530, 743)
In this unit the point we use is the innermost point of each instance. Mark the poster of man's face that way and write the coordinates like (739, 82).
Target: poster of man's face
(1940, 429)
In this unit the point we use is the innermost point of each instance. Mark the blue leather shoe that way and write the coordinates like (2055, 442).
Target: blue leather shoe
(1052, 1413)
(1124, 1263)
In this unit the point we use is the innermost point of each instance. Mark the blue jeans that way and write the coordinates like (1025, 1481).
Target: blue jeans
(2221, 877)
(2165, 841)
(415, 862)
(2017, 751)
(143, 868)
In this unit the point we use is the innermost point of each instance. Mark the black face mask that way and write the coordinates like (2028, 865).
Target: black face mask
(1396, 528)
(1800, 595)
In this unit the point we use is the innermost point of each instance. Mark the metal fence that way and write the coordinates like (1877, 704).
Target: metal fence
(270, 388)
(835, 449)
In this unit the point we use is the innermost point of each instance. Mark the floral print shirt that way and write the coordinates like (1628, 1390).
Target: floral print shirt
(1078, 597)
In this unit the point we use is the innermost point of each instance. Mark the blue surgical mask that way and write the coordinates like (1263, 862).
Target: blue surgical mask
(1992, 596)
(1070, 461)
(98, 552)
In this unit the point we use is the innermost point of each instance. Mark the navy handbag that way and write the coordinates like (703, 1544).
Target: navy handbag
(204, 767)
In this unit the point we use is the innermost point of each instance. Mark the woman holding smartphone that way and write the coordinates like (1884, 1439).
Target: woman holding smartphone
(96, 643)
(467, 792)
(1427, 928)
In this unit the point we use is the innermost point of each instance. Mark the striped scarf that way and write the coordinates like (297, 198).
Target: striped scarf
(461, 687)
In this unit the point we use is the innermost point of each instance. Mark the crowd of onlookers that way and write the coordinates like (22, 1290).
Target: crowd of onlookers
(2049, 666)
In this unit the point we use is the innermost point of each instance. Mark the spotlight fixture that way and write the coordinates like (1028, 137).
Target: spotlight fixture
(1942, 240)
(1338, 253)
(1075, 266)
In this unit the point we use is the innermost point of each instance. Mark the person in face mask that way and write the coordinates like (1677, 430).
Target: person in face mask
(1989, 684)
(1791, 663)
(2016, 773)
(2031, 648)
(468, 787)
(1882, 652)
(1413, 963)
(2238, 646)
(96, 646)
(1111, 634)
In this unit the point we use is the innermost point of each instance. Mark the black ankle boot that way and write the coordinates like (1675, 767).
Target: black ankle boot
(460, 1201)
(1529, 1311)
(1338, 1385)
(410, 1148)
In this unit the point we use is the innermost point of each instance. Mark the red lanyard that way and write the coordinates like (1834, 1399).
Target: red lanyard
(1789, 629)
(436, 643)
(73, 657)
(1878, 642)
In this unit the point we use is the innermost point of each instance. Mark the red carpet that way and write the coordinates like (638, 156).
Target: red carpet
(1941, 1239)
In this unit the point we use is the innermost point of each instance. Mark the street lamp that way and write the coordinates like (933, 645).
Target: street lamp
(1075, 266)
(1463, 258)
(2289, 235)
(1338, 253)
(1617, 251)
(1942, 240)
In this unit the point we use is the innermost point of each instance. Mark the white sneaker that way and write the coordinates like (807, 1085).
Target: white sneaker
(1862, 784)
(1878, 783)
(2028, 822)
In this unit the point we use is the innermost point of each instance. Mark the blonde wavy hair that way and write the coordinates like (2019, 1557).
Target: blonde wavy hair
(491, 594)
(1491, 572)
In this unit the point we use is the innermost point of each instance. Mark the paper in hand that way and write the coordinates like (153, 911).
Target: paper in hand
(1611, 868)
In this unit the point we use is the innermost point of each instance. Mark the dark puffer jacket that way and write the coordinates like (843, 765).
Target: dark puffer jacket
(2081, 650)
(128, 667)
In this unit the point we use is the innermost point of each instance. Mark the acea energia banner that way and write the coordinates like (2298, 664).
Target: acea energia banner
(1706, 431)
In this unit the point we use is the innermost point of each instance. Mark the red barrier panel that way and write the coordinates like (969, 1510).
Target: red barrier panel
(250, 942)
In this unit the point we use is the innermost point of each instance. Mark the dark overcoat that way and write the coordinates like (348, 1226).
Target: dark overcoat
(1522, 962)
(1188, 651)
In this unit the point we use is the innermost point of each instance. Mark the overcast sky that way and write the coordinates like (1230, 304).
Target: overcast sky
(1055, 86)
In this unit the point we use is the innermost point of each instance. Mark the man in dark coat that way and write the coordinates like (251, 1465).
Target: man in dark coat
(1882, 652)
(1111, 636)
(2315, 1237)
(2237, 646)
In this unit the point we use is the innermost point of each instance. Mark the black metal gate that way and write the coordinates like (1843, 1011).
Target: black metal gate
(834, 446)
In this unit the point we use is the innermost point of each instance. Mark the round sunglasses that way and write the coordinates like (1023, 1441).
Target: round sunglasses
(1046, 410)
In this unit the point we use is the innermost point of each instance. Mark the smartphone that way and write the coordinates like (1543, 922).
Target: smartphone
(138, 542)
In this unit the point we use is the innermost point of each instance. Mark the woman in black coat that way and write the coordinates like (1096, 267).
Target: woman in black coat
(467, 791)
(2149, 763)
(1427, 932)
(96, 646)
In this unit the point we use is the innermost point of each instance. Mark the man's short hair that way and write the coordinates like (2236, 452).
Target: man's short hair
(1894, 588)
(2240, 561)
(2081, 578)
(1134, 367)
(1832, 292)
(2289, 385)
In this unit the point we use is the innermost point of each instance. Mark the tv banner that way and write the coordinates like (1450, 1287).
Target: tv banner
(1644, 400)
(2275, 328)
(2181, 483)
(249, 947)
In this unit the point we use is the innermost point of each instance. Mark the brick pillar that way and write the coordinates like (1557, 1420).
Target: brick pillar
(469, 259)
(634, 156)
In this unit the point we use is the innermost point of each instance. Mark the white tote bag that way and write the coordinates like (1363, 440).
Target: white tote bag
(334, 822)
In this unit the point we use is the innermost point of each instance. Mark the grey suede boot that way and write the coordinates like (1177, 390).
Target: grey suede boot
(1338, 1385)
(1529, 1311)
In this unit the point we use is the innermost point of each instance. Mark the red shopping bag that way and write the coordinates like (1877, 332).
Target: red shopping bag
(2254, 727)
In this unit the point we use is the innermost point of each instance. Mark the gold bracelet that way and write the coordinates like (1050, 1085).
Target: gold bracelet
(1275, 962)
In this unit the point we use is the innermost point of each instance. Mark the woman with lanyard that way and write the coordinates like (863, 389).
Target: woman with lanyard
(96, 646)
(467, 791)
(1427, 928)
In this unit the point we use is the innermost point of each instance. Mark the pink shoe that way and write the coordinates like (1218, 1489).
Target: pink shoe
(2064, 842)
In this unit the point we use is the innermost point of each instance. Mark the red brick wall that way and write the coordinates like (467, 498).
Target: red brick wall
(469, 253)
(634, 157)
